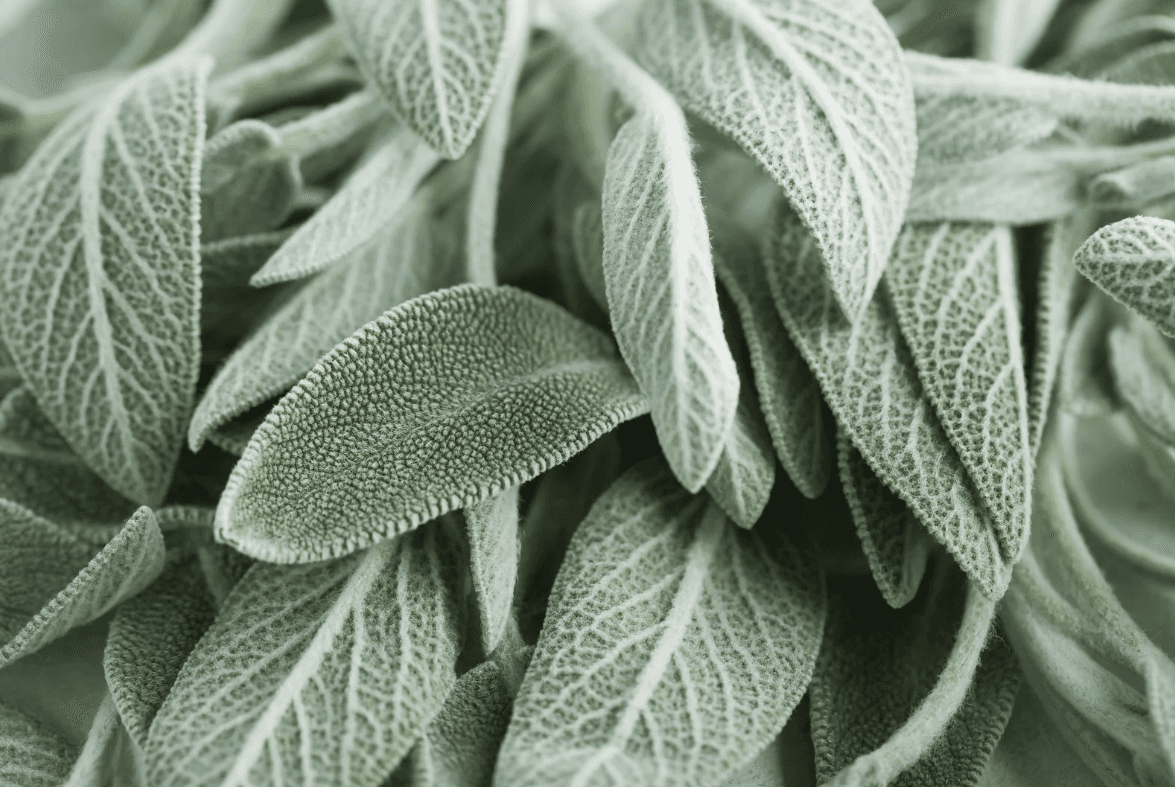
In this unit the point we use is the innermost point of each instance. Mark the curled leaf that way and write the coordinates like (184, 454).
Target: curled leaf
(1134, 261)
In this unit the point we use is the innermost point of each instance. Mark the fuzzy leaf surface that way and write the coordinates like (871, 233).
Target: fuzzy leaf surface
(441, 403)
(1134, 261)
(676, 645)
(790, 81)
(247, 185)
(491, 527)
(31, 755)
(99, 292)
(958, 129)
(745, 474)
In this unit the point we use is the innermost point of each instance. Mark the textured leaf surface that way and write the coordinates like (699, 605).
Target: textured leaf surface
(955, 297)
(870, 383)
(492, 529)
(31, 755)
(587, 243)
(100, 286)
(435, 61)
(247, 185)
(319, 675)
(661, 293)
(439, 404)
(675, 647)
(1134, 261)
(371, 198)
(791, 81)
(65, 492)
(1143, 365)
(398, 264)
(957, 129)
(742, 480)
(121, 569)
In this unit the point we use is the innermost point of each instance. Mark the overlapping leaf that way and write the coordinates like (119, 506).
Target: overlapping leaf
(26, 432)
(1143, 365)
(1084, 379)
(1134, 261)
(31, 755)
(491, 527)
(959, 129)
(742, 480)
(247, 184)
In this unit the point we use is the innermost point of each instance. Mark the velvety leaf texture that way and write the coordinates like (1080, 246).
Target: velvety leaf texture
(99, 289)
(31, 755)
(442, 403)
(791, 81)
(247, 184)
(958, 129)
(316, 675)
(1134, 261)
(675, 646)
(870, 383)
(491, 527)
(436, 62)
(745, 474)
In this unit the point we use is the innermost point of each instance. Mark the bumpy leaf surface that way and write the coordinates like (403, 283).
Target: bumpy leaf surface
(676, 645)
(957, 129)
(100, 284)
(1134, 261)
(491, 527)
(443, 402)
(31, 755)
(745, 474)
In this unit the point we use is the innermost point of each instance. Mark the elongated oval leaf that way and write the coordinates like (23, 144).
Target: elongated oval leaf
(869, 381)
(439, 404)
(958, 129)
(107, 211)
(742, 480)
(662, 299)
(1134, 261)
(31, 755)
(247, 184)
(347, 659)
(492, 529)
(675, 647)
(818, 93)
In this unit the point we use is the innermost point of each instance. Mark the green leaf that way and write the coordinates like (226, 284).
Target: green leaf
(436, 63)
(954, 292)
(396, 265)
(956, 129)
(676, 645)
(936, 707)
(64, 590)
(492, 529)
(1085, 381)
(26, 432)
(587, 243)
(247, 184)
(1134, 261)
(1009, 30)
(503, 383)
(764, 770)
(870, 383)
(107, 212)
(1143, 364)
(793, 84)
(371, 198)
(105, 752)
(745, 474)
(225, 269)
(31, 755)
(322, 674)
(1135, 185)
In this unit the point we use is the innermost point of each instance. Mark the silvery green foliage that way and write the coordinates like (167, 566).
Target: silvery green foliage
(954, 292)
(226, 299)
(505, 381)
(107, 211)
(97, 763)
(1134, 261)
(1008, 30)
(320, 674)
(1084, 379)
(1136, 184)
(247, 183)
(1143, 365)
(587, 243)
(675, 646)
(31, 755)
(742, 480)
(436, 63)
(26, 432)
(958, 129)
(870, 383)
(122, 568)
(791, 82)
(491, 528)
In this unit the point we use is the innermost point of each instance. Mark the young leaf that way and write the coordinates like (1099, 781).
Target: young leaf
(953, 288)
(247, 184)
(959, 129)
(676, 645)
(1085, 381)
(396, 265)
(320, 675)
(869, 382)
(742, 480)
(31, 755)
(492, 529)
(436, 63)
(793, 84)
(501, 382)
(107, 210)
(373, 196)
(125, 566)
(1134, 261)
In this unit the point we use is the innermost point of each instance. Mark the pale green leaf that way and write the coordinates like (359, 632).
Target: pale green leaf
(1143, 364)
(107, 212)
(1135, 185)
(396, 265)
(234, 436)
(818, 93)
(870, 383)
(222, 567)
(503, 386)
(1134, 261)
(587, 243)
(491, 527)
(745, 474)
(958, 129)
(31, 755)
(1084, 380)
(66, 492)
(570, 192)
(322, 674)
(954, 292)
(676, 645)
(765, 770)
(247, 183)
(370, 199)
(437, 63)
(96, 763)
(121, 569)
(1009, 30)
(26, 432)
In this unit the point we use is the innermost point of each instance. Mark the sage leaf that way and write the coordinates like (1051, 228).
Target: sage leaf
(108, 209)
(1137, 184)
(352, 657)
(870, 383)
(571, 192)
(65, 492)
(1085, 379)
(742, 480)
(247, 185)
(95, 765)
(587, 243)
(1143, 366)
(225, 269)
(492, 529)
(396, 265)
(834, 127)
(959, 129)
(953, 288)
(1009, 30)
(502, 382)
(371, 197)
(1134, 261)
(126, 565)
(436, 63)
(31, 755)
(234, 436)
(638, 674)
(26, 432)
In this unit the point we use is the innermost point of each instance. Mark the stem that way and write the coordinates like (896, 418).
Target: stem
(277, 70)
(232, 28)
(330, 126)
